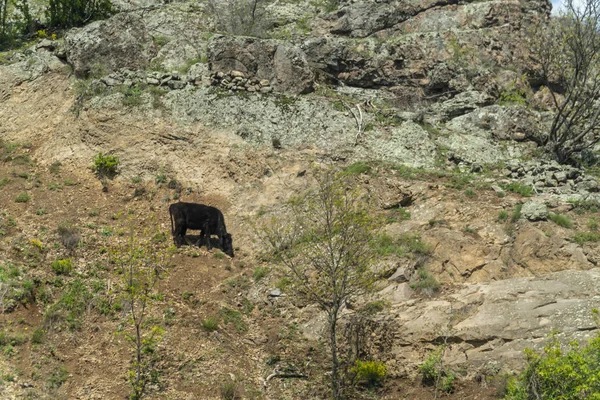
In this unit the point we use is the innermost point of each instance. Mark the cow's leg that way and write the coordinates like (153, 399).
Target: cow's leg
(199, 242)
(178, 234)
(206, 231)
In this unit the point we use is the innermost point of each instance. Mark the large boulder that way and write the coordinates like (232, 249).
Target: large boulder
(283, 64)
(122, 41)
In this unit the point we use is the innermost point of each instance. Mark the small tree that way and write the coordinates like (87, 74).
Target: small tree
(568, 51)
(69, 13)
(240, 17)
(141, 264)
(325, 245)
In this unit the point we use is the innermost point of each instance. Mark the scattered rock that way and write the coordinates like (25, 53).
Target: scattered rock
(534, 211)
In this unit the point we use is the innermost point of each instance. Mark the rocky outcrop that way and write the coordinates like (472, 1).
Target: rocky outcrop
(494, 322)
(284, 65)
(122, 41)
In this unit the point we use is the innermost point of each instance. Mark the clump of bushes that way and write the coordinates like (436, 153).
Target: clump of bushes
(435, 374)
(369, 373)
(105, 166)
(62, 266)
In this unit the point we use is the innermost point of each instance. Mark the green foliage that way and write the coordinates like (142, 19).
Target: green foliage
(65, 14)
(513, 95)
(161, 178)
(425, 282)
(230, 391)
(397, 215)
(516, 214)
(592, 224)
(582, 206)
(105, 166)
(373, 307)
(37, 337)
(62, 267)
(434, 373)
(519, 188)
(369, 373)
(210, 324)
(259, 273)
(358, 168)
(560, 372)
(69, 308)
(69, 235)
(561, 220)
(132, 96)
(22, 198)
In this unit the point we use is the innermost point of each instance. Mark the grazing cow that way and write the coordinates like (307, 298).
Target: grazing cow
(207, 219)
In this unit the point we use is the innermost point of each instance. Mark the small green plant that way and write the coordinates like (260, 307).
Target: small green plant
(434, 373)
(398, 214)
(519, 188)
(160, 178)
(37, 337)
(516, 214)
(234, 318)
(94, 212)
(561, 220)
(259, 273)
(136, 179)
(470, 229)
(55, 167)
(132, 96)
(210, 324)
(425, 283)
(69, 235)
(358, 168)
(230, 391)
(219, 255)
(373, 307)
(469, 193)
(58, 377)
(187, 295)
(369, 373)
(592, 224)
(22, 198)
(502, 216)
(40, 211)
(105, 166)
(62, 266)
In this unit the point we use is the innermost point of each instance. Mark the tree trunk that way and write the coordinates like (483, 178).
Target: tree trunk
(335, 381)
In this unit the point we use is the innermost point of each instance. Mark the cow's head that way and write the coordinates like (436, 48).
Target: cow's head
(228, 244)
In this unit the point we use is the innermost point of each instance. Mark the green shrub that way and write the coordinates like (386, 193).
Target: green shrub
(592, 224)
(22, 198)
(373, 307)
(105, 166)
(161, 178)
(235, 318)
(210, 324)
(561, 220)
(560, 372)
(401, 246)
(37, 337)
(369, 373)
(230, 391)
(516, 214)
(62, 267)
(434, 373)
(398, 214)
(582, 206)
(58, 377)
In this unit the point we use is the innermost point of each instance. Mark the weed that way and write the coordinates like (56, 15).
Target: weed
(40, 211)
(582, 206)
(105, 166)
(357, 168)
(235, 318)
(54, 186)
(425, 283)
(55, 167)
(502, 216)
(469, 229)
(397, 215)
(160, 178)
(469, 193)
(592, 224)
(210, 324)
(259, 273)
(4, 182)
(37, 337)
(519, 188)
(58, 377)
(136, 179)
(230, 391)
(22, 198)
(132, 96)
(94, 212)
(584, 237)
(373, 307)
(516, 214)
(219, 255)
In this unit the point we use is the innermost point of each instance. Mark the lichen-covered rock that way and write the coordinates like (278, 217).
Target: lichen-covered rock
(534, 211)
(284, 65)
(122, 41)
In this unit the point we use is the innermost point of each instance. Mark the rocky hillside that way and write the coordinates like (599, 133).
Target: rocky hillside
(488, 246)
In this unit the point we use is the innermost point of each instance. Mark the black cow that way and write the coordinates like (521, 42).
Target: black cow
(207, 219)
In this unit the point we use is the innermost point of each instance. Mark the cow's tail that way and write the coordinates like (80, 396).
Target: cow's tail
(172, 225)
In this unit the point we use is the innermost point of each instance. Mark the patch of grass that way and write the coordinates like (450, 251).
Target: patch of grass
(55, 167)
(160, 178)
(230, 391)
(37, 337)
(40, 211)
(210, 324)
(219, 255)
(235, 318)
(516, 214)
(561, 220)
(4, 182)
(401, 246)
(185, 68)
(247, 306)
(94, 212)
(69, 182)
(425, 283)
(136, 179)
(58, 377)
(397, 215)
(469, 229)
(582, 206)
(259, 273)
(519, 188)
(22, 198)
(592, 224)
(187, 295)
(358, 168)
(369, 373)
(373, 307)
(502, 216)
(469, 193)
(73, 302)
(54, 186)
(283, 283)
(69, 235)
(584, 237)
(132, 96)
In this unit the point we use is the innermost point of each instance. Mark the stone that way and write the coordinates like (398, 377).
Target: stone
(121, 41)
(275, 293)
(237, 74)
(560, 176)
(404, 273)
(534, 211)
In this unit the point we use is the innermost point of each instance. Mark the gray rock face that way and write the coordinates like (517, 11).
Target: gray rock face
(119, 42)
(534, 211)
(497, 321)
(281, 63)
